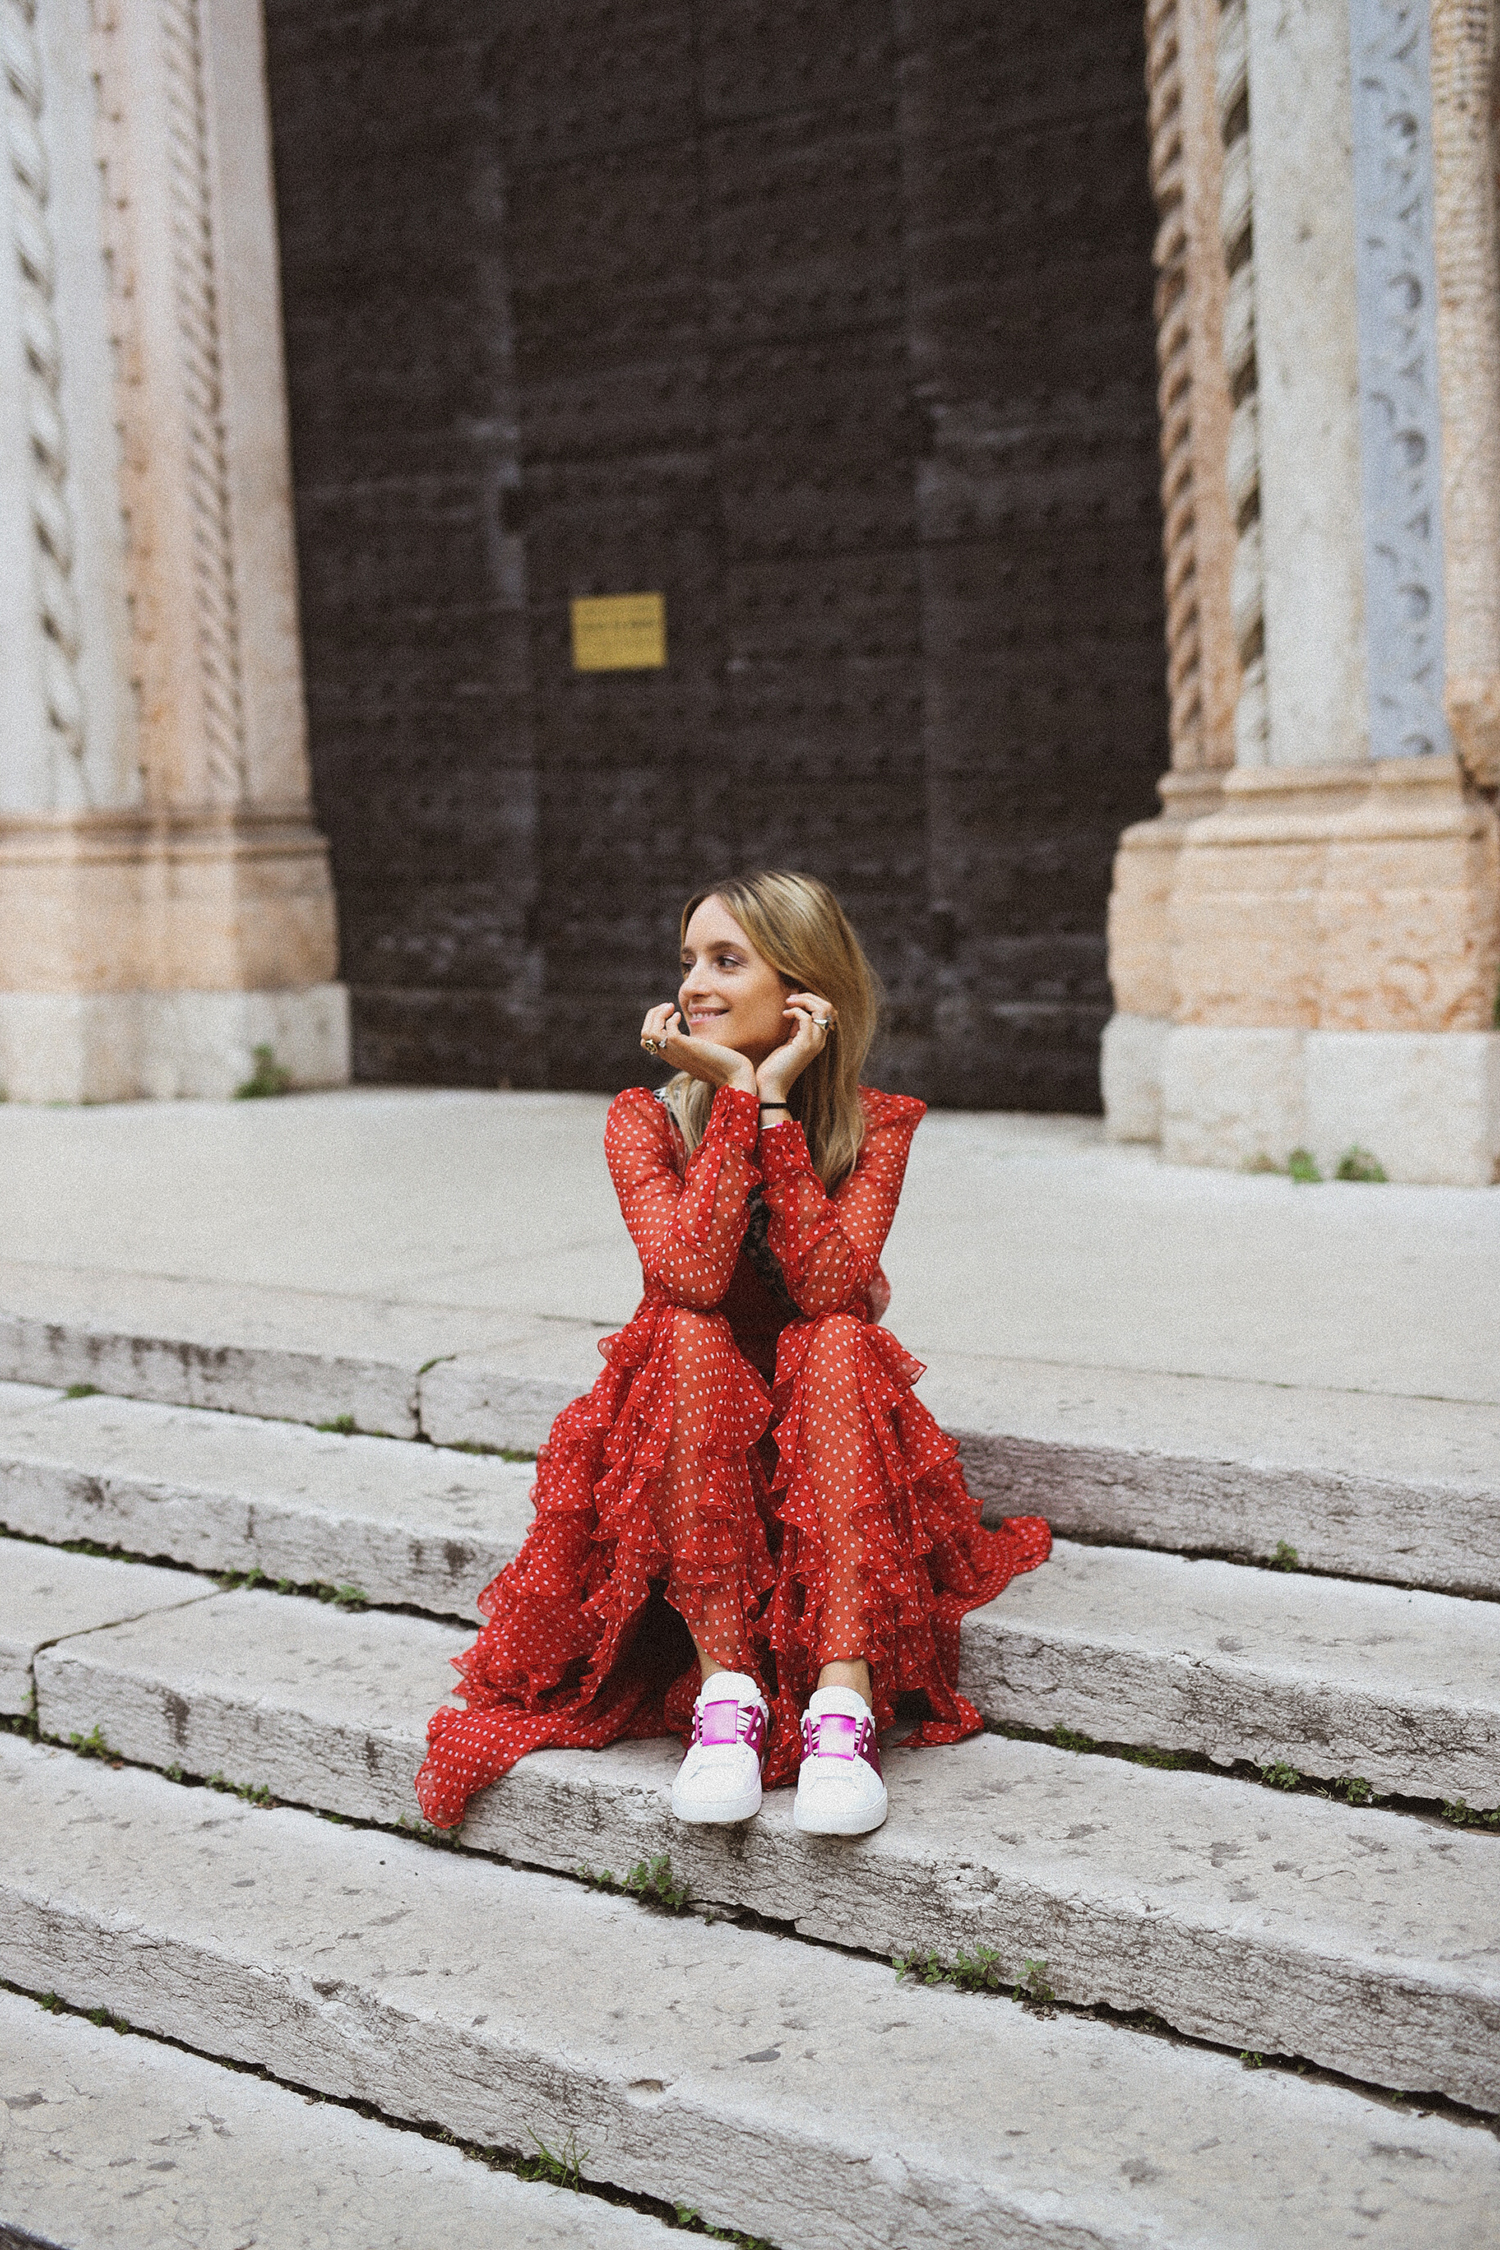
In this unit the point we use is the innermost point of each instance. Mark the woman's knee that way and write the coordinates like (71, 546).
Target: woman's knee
(834, 1345)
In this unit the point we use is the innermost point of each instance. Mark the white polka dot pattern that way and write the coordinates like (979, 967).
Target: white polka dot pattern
(787, 1511)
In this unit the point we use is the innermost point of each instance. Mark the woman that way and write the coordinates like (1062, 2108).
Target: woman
(752, 1468)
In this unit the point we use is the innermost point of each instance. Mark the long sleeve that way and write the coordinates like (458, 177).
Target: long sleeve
(687, 1228)
(829, 1246)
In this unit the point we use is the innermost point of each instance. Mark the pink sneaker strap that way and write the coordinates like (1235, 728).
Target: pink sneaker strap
(834, 1735)
(729, 1720)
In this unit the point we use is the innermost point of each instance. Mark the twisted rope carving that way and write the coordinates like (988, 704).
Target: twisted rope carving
(51, 518)
(1236, 228)
(1174, 384)
(197, 299)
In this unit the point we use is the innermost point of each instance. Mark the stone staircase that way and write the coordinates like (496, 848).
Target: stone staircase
(1120, 1851)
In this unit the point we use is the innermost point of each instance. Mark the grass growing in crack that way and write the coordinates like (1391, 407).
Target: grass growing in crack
(81, 1390)
(92, 1744)
(106, 2021)
(1302, 1167)
(253, 1792)
(1467, 1816)
(649, 1883)
(268, 1078)
(1354, 1789)
(1164, 1761)
(692, 2221)
(446, 1839)
(1279, 1776)
(489, 1452)
(342, 1425)
(980, 1971)
(246, 1581)
(1285, 1557)
(558, 2167)
(1358, 1164)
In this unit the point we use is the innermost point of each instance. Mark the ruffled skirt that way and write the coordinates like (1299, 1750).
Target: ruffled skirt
(588, 1633)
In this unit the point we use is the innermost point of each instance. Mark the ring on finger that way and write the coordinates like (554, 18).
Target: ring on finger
(822, 1022)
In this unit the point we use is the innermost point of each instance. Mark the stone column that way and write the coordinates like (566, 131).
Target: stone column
(1199, 539)
(1332, 944)
(165, 903)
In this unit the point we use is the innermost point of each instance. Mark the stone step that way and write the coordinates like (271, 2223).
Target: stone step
(118, 2143)
(1366, 1941)
(407, 1524)
(48, 1595)
(1363, 1484)
(1332, 1677)
(784, 2089)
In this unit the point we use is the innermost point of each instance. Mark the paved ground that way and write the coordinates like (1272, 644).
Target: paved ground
(1021, 1237)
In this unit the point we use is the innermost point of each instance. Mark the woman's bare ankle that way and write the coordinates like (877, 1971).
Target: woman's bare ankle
(854, 1675)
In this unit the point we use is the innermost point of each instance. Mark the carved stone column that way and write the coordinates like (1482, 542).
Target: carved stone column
(1199, 539)
(165, 903)
(1333, 926)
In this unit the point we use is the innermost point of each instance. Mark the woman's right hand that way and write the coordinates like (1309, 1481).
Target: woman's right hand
(700, 1058)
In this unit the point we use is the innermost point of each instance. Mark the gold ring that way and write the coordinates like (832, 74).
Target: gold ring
(653, 1046)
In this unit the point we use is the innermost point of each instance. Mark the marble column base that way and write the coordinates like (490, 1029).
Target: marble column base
(125, 1046)
(1426, 1105)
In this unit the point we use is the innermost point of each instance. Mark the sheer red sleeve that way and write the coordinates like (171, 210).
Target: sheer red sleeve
(828, 1246)
(687, 1227)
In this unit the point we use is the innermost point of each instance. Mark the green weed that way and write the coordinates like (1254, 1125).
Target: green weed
(488, 1452)
(561, 2168)
(978, 1971)
(1302, 1166)
(342, 1425)
(1354, 1789)
(81, 1390)
(1278, 1776)
(1359, 1164)
(92, 1744)
(1251, 2061)
(266, 1079)
(50, 2002)
(1285, 1557)
(1466, 1816)
(649, 1881)
(1034, 1992)
(1066, 1739)
(103, 2018)
(693, 2222)
(1165, 1761)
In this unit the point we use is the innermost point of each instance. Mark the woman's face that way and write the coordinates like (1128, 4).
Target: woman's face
(729, 995)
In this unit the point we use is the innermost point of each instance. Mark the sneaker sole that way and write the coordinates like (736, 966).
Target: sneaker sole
(840, 1824)
(719, 1812)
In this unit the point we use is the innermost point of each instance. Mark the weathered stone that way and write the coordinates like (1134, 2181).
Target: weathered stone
(701, 2064)
(1401, 1688)
(125, 2142)
(1128, 1880)
(406, 1523)
(47, 1595)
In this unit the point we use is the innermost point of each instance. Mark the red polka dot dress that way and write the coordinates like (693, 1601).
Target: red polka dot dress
(753, 1468)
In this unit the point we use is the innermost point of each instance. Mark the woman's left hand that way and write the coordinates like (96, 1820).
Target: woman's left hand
(812, 1025)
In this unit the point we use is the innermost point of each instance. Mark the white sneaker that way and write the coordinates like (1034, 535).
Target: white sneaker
(719, 1779)
(840, 1791)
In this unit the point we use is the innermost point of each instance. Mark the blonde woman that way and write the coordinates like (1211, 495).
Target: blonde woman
(750, 1532)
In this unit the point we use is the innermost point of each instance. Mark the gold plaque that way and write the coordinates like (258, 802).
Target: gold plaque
(619, 632)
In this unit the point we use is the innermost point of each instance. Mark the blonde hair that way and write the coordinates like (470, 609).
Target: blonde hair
(797, 924)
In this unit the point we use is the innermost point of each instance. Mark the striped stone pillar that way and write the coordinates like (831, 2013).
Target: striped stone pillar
(165, 902)
(1333, 928)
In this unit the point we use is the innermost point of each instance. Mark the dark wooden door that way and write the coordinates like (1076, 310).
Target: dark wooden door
(830, 321)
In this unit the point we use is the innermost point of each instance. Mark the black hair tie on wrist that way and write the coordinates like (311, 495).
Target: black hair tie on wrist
(776, 1105)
